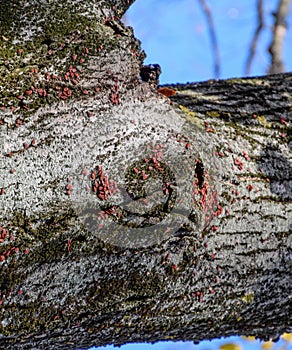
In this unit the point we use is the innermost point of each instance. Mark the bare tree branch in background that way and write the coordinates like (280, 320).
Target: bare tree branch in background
(254, 42)
(279, 31)
(212, 33)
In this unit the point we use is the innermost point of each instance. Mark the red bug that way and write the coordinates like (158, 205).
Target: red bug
(166, 91)
(249, 187)
(69, 245)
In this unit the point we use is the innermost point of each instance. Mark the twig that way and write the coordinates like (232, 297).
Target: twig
(213, 37)
(254, 42)
(279, 31)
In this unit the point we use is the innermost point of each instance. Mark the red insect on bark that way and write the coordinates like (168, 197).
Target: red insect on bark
(238, 163)
(249, 187)
(69, 245)
(166, 91)
(284, 121)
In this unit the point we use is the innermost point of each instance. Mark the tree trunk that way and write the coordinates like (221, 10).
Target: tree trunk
(126, 215)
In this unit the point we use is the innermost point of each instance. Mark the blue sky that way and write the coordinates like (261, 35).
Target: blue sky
(175, 35)
(243, 344)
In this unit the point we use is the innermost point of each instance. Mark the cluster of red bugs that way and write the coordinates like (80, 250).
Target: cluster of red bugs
(38, 91)
(101, 185)
(8, 252)
(105, 213)
(208, 128)
(153, 162)
(201, 188)
(207, 196)
(185, 141)
(246, 156)
(158, 153)
(68, 187)
(219, 210)
(115, 96)
(4, 236)
(65, 93)
(238, 163)
(71, 76)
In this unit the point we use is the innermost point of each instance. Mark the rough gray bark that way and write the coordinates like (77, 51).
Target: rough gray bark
(85, 266)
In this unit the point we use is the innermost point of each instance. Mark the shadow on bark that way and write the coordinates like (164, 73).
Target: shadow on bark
(278, 170)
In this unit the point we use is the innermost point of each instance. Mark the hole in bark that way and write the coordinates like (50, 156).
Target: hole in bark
(199, 170)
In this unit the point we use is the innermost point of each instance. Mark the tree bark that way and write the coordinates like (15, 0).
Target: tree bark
(128, 216)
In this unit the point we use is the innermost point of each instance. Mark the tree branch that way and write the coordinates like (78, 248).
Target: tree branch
(254, 42)
(126, 216)
(279, 31)
(213, 38)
